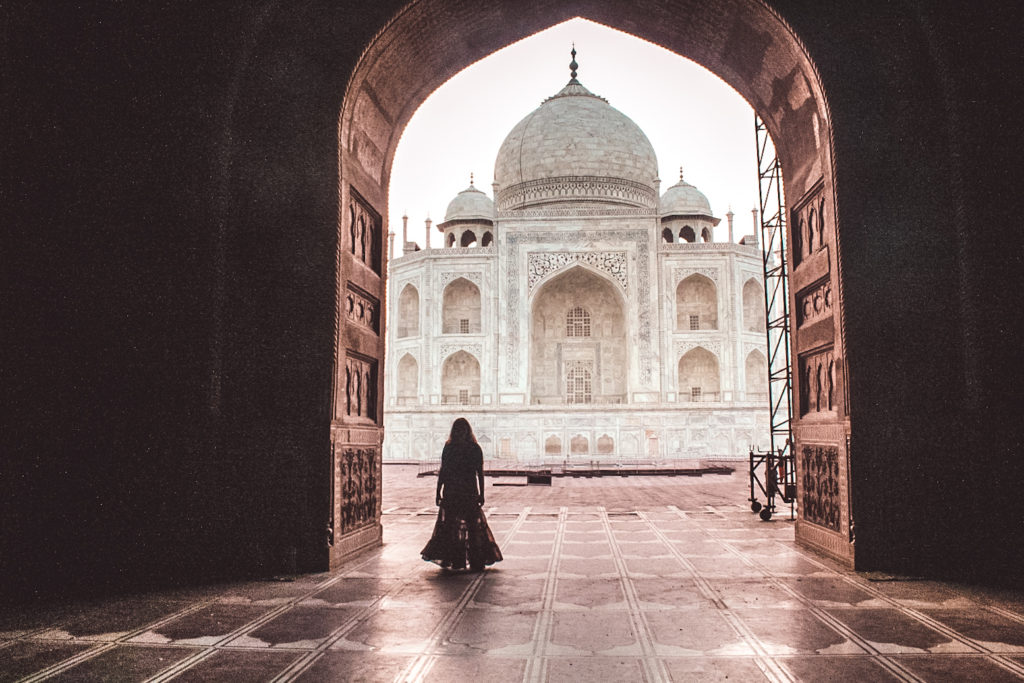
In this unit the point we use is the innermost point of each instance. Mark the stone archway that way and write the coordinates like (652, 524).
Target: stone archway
(745, 43)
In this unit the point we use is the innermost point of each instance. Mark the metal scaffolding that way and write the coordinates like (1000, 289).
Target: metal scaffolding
(778, 474)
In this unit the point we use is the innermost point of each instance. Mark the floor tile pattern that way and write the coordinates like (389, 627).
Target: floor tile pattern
(646, 579)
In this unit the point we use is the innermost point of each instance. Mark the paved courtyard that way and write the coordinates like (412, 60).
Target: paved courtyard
(604, 579)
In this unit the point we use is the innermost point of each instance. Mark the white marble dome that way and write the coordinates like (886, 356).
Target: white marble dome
(470, 205)
(576, 147)
(683, 199)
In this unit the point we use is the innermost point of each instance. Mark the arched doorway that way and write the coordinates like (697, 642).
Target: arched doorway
(745, 43)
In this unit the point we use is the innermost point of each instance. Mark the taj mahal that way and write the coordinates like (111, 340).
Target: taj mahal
(582, 315)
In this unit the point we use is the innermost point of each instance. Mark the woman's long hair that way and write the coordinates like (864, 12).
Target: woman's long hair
(461, 432)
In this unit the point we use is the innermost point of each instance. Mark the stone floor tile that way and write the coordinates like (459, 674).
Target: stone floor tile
(596, 669)
(695, 632)
(340, 665)
(746, 593)
(954, 669)
(205, 626)
(994, 631)
(126, 663)
(670, 593)
(591, 631)
(589, 594)
(490, 631)
(449, 668)
(822, 668)
(796, 631)
(708, 669)
(353, 591)
(397, 630)
(108, 620)
(501, 591)
(892, 631)
(22, 658)
(300, 626)
(593, 566)
(828, 591)
(235, 666)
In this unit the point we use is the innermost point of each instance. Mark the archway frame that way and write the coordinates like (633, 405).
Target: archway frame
(745, 43)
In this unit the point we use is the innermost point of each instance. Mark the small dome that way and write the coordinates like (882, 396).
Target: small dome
(683, 199)
(575, 147)
(470, 205)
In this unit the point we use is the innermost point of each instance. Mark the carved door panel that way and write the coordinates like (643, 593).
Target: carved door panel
(356, 428)
(821, 423)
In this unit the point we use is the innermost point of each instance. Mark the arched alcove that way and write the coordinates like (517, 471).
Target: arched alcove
(487, 239)
(460, 379)
(667, 236)
(756, 371)
(699, 376)
(686, 234)
(468, 239)
(578, 340)
(408, 380)
(696, 304)
(753, 306)
(409, 312)
(461, 308)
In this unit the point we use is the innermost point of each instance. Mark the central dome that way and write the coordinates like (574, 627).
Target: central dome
(576, 147)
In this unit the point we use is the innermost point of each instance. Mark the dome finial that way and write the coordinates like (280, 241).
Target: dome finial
(573, 65)
(680, 174)
(471, 179)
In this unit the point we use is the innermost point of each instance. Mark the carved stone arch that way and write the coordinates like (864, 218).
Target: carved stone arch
(460, 378)
(699, 375)
(467, 238)
(753, 306)
(756, 372)
(619, 284)
(696, 303)
(408, 381)
(461, 307)
(686, 234)
(408, 312)
(487, 239)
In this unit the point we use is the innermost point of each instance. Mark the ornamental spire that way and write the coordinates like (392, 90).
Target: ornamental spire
(573, 65)
(471, 179)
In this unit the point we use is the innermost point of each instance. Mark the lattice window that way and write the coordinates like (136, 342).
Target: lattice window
(577, 323)
(694, 322)
(464, 325)
(579, 383)
(695, 393)
(464, 396)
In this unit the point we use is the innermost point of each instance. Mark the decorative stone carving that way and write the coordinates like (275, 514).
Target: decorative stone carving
(641, 238)
(445, 350)
(817, 382)
(360, 387)
(541, 264)
(569, 188)
(680, 274)
(715, 347)
(364, 232)
(819, 497)
(814, 303)
(357, 479)
(445, 278)
(362, 309)
(807, 222)
(581, 210)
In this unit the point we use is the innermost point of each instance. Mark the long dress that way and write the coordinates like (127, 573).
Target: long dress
(461, 536)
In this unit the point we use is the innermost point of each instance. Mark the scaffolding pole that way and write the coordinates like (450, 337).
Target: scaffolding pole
(778, 474)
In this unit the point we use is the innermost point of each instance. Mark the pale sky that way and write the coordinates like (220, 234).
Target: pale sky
(692, 118)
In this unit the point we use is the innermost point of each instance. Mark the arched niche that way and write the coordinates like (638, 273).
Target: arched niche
(696, 304)
(468, 239)
(756, 372)
(667, 236)
(408, 380)
(686, 234)
(460, 379)
(449, 240)
(699, 376)
(578, 340)
(461, 308)
(408, 312)
(705, 235)
(487, 239)
(753, 306)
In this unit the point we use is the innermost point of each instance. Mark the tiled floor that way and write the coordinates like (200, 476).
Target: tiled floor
(613, 579)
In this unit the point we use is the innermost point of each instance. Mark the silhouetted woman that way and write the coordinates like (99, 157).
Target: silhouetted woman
(461, 536)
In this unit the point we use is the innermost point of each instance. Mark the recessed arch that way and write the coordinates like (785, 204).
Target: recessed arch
(699, 375)
(696, 304)
(460, 379)
(460, 308)
(686, 234)
(756, 372)
(745, 42)
(409, 312)
(487, 239)
(468, 239)
(408, 380)
(753, 306)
